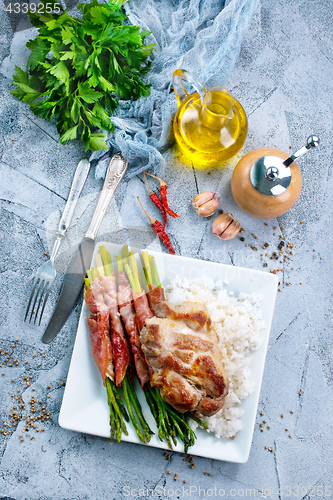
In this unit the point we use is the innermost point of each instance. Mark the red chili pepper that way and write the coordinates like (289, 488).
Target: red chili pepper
(163, 193)
(158, 229)
(155, 199)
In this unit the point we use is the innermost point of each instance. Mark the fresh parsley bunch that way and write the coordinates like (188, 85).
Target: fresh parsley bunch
(78, 67)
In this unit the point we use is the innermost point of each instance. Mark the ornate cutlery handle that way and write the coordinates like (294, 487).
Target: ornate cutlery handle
(80, 177)
(115, 172)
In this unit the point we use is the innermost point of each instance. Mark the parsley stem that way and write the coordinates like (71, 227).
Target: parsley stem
(119, 3)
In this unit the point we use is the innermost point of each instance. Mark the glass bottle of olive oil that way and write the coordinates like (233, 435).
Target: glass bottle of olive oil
(210, 126)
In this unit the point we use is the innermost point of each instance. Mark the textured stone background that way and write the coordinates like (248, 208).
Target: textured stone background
(284, 79)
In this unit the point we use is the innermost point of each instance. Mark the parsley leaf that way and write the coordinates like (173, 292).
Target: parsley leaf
(78, 68)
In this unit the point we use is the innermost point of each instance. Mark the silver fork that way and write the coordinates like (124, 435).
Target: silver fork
(46, 273)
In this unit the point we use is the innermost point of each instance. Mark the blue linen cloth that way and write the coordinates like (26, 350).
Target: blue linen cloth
(201, 36)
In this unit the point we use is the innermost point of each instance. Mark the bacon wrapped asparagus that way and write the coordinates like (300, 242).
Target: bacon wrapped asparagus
(111, 349)
(101, 346)
(128, 315)
(98, 324)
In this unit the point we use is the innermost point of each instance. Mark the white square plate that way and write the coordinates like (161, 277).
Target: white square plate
(84, 406)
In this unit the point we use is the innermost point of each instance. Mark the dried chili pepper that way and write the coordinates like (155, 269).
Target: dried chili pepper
(163, 193)
(155, 199)
(158, 229)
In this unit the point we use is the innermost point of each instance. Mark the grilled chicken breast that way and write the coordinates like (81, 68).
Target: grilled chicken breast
(184, 360)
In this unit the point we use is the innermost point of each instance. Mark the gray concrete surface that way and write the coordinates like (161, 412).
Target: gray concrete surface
(284, 79)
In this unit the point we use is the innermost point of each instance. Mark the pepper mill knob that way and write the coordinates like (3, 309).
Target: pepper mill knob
(313, 141)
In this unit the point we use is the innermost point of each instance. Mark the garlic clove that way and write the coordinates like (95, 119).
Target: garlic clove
(202, 198)
(231, 231)
(225, 226)
(221, 223)
(208, 208)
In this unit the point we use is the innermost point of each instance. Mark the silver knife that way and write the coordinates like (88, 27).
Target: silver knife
(82, 259)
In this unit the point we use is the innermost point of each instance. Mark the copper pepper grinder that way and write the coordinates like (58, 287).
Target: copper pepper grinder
(267, 182)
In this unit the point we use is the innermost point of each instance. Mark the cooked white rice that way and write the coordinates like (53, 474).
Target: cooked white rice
(237, 321)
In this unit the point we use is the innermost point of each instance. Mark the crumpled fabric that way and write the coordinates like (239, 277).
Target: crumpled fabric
(201, 36)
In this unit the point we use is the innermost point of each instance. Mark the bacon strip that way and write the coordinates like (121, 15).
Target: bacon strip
(99, 325)
(155, 296)
(142, 308)
(127, 312)
(119, 341)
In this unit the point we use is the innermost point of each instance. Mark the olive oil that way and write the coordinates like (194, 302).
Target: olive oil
(211, 128)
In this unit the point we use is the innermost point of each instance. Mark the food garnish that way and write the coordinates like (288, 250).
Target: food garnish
(157, 202)
(77, 68)
(163, 194)
(225, 226)
(158, 229)
(205, 203)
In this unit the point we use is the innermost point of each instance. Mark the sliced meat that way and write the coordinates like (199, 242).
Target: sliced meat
(193, 314)
(119, 341)
(142, 308)
(155, 296)
(99, 325)
(182, 353)
(127, 312)
(176, 390)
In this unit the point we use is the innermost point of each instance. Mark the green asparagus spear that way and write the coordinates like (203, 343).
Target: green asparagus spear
(198, 421)
(111, 389)
(147, 270)
(155, 276)
(137, 408)
(106, 259)
(130, 411)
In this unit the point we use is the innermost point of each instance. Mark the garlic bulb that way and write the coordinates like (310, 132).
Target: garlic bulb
(205, 204)
(225, 226)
